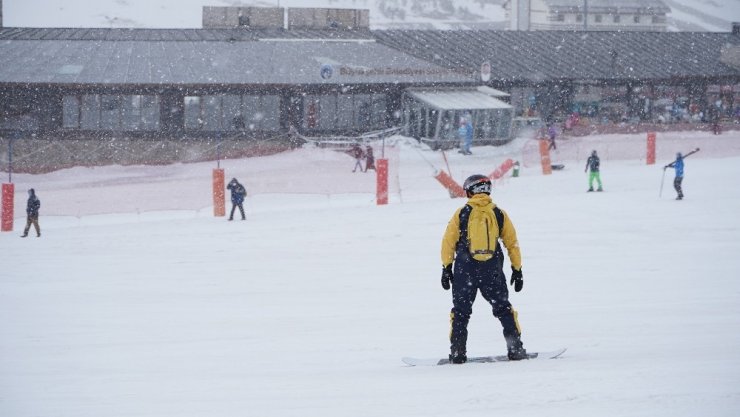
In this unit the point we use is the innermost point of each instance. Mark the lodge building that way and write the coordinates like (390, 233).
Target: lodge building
(326, 73)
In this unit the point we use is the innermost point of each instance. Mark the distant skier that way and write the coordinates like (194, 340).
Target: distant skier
(465, 132)
(471, 240)
(238, 192)
(678, 166)
(369, 158)
(715, 116)
(593, 164)
(552, 132)
(356, 152)
(32, 213)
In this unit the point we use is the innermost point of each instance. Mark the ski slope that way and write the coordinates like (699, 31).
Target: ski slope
(306, 308)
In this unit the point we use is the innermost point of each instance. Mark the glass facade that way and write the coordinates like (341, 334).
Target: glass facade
(360, 112)
(424, 122)
(228, 112)
(110, 112)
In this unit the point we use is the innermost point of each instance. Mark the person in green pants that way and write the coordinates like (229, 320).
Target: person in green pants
(592, 164)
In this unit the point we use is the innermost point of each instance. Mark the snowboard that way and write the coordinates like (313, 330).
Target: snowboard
(481, 359)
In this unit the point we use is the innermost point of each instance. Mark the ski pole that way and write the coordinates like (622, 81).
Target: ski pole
(660, 194)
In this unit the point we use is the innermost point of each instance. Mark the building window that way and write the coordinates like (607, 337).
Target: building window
(70, 112)
(636, 18)
(659, 19)
(110, 112)
(597, 18)
(360, 112)
(579, 18)
(230, 112)
(617, 18)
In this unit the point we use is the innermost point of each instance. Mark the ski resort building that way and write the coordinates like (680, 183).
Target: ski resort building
(245, 79)
(611, 77)
(591, 15)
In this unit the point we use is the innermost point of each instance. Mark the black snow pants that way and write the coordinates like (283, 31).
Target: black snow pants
(241, 210)
(677, 186)
(470, 276)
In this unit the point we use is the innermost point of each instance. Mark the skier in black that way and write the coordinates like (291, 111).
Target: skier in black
(32, 213)
(356, 152)
(369, 158)
(238, 192)
(468, 241)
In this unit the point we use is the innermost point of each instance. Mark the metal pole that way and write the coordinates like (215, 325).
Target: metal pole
(585, 15)
(218, 150)
(10, 160)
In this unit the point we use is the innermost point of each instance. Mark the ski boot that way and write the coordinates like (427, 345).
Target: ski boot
(591, 189)
(515, 348)
(458, 357)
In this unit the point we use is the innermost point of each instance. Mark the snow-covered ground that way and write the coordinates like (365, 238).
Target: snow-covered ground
(695, 15)
(306, 308)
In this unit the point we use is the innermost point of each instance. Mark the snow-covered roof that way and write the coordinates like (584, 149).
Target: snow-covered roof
(537, 56)
(208, 57)
(411, 57)
(492, 91)
(458, 99)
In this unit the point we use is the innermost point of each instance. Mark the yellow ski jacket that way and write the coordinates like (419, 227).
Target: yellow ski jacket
(482, 208)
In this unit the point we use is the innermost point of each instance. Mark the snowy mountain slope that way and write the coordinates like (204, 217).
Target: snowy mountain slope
(699, 15)
(306, 308)
(187, 13)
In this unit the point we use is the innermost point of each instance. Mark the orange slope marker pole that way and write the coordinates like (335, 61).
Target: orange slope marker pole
(7, 207)
(650, 159)
(545, 158)
(502, 169)
(454, 188)
(381, 194)
(219, 198)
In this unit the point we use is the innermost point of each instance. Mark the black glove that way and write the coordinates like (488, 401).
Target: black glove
(447, 276)
(516, 279)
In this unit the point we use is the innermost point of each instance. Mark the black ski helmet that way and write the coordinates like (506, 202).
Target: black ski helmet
(477, 184)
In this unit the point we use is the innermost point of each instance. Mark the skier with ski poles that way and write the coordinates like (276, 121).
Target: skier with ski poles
(471, 240)
(678, 165)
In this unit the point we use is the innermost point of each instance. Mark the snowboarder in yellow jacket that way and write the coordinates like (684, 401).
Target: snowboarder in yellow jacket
(471, 242)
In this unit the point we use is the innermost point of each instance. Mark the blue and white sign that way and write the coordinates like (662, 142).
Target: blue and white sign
(327, 71)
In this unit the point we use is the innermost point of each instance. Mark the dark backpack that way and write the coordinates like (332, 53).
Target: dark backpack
(463, 242)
